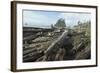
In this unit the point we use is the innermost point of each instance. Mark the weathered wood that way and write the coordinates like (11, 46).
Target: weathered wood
(84, 54)
(60, 54)
(58, 43)
(32, 56)
(62, 42)
(42, 58)
(61, 49)
(78, 47)
(65, 37)
(29, 51)
(31, 37)
(41, 39)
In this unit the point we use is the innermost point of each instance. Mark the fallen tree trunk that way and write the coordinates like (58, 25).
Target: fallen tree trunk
(79, 47)
(31, 57)
(62, 42)
(84, 54)
(58, 43)
(31, 37)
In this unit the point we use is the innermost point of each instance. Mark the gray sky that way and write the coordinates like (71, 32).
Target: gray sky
(33, 18)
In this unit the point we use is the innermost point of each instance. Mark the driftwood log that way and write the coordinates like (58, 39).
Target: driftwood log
(84, 53)
(33, 56)
(61, 49)
(56, 48)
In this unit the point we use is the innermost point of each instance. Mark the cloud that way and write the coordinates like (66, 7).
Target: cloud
(73, 18)
(45, 18)
(30, 16)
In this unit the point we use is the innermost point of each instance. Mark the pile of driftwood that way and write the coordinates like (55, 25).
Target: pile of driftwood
(55, 47)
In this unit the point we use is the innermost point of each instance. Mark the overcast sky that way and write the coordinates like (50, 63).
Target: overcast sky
(33, 18)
